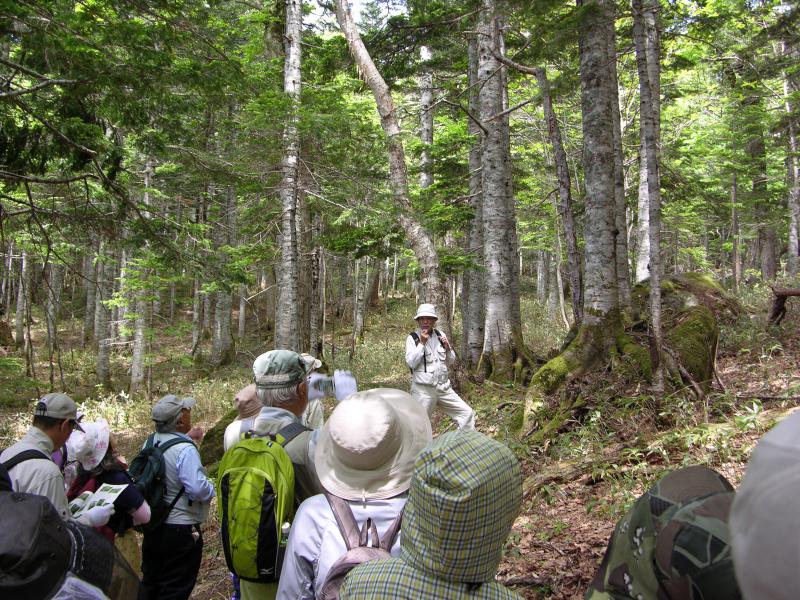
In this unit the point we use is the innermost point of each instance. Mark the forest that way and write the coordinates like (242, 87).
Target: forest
(601, 198)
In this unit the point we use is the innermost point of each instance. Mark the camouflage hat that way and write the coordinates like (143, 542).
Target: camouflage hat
(673, 543)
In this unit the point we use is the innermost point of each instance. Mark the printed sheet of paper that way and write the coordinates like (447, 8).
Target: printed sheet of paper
(105, 494)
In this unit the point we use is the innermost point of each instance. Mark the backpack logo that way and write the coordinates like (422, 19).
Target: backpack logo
(255, 492)
(149, 474)
(359, 549)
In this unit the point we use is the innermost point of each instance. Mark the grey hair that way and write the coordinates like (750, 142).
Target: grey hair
(277, 397)
(168, 426)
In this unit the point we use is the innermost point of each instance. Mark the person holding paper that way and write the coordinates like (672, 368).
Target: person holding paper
(99, 464)
(30, 464)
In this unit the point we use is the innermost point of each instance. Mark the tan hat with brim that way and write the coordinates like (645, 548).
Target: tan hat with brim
(368, 446)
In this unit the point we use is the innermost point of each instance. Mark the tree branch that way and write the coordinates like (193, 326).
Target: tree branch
(35, 88)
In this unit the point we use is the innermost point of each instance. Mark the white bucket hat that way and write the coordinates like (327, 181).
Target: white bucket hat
(89, 446)
(426, 310)
(312, 362)
(368, 446)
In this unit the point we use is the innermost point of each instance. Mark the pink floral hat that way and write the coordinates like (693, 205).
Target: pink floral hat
(89, 446)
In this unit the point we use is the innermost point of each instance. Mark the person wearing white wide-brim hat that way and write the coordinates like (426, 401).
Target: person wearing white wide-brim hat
(365, 455)
(427, 353)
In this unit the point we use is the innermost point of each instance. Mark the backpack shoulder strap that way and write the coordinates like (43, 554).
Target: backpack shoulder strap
(23, 456)
(173, 442)
(414, 337)
(345, 520)
(387, 541)
(288, 433)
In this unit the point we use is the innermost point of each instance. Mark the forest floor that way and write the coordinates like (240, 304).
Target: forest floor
(586, 476)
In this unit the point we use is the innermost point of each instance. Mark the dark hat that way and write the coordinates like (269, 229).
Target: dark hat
(35, 547)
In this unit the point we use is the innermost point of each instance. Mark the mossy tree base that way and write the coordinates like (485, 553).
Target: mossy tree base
(212, 448)
(690, 335)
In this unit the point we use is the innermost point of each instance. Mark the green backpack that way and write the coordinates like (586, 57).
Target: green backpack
(255, 491)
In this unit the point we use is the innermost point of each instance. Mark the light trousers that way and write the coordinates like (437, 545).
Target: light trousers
(446, 398)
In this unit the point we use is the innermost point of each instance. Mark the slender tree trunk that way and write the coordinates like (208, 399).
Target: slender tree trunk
(287, 315)
(316, 298)
(790, 91)
(103, 320)
(23, 299)
(90, 288)
(142, 309)
(425, 120)
(361, 282)
(52, 310)
(242, 324)
(222, 346)
(623, 265)
(474, 287)
(433, 287)
(541, 276)
(197, 315)
(649, 134)
(652, 52)
(565, 198)
(502, 345)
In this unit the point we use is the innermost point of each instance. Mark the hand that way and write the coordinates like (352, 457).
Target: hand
(344, 384)
(197, 434)
(97, 516)
(425, 335)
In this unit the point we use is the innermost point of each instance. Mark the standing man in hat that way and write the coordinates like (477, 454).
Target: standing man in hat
(427, 353)
(29, 462)
(364, 459)
(171, 553)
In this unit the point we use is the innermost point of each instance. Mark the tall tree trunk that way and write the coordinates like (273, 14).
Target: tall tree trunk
(23, 299)
(90, 288)
(652, 57)
(222, 347)
(502, 345)
(623, 265)
(425, 120)
(433, 287)
(601, 303)
(649, 134)
(287, 314)
(736, 258)
(361, 283)
(142, 308)
(197, 315)
(473, 287)
(565, 197)
(541, 276)
(790, 91)
(242, 324)
(55, 282)
(316, 304)
(107, 269)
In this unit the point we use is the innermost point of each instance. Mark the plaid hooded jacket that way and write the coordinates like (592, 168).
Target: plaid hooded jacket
(464, 497)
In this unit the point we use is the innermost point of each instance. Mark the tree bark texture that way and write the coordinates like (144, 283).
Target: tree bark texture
(90, 289)
(565, 197)
(623, 265)
(652, 52)
(433, 289)
(649, 134)
(790, 90)
(287, 314)
(502, 342)
(473, 287)
(23, 299)
(601, 300)
(425, 120)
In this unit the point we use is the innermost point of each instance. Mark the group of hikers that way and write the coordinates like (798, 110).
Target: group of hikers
(366, 504)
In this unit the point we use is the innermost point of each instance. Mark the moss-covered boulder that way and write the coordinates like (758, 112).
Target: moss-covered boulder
(212, 448)
(693, 335)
